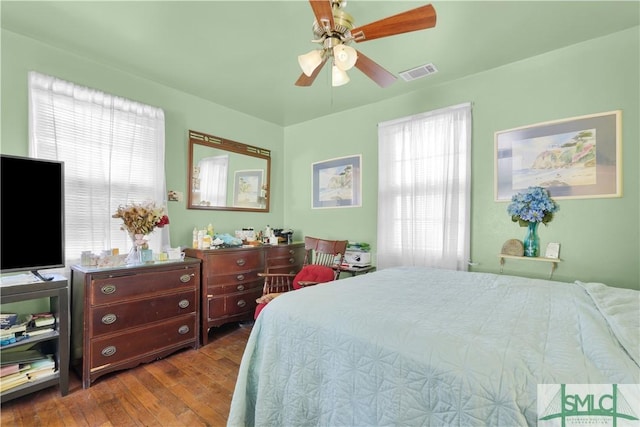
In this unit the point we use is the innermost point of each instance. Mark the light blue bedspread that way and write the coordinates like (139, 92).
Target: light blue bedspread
(417, 347)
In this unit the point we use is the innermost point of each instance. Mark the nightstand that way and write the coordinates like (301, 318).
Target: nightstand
(354, 271)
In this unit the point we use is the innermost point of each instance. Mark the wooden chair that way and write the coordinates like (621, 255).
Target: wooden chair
(322, 261)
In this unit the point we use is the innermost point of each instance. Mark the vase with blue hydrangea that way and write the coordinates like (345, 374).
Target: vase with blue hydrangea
(529, 208)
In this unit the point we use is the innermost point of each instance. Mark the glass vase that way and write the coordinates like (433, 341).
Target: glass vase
(531, 240)
(135, 254)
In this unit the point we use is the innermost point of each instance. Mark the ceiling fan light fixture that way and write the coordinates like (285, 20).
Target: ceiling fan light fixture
(338, 77)
(310, 61)
(345, 57)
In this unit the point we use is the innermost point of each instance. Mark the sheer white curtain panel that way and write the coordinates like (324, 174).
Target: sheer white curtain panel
(213, 180)
(424, 189)
(113, 153)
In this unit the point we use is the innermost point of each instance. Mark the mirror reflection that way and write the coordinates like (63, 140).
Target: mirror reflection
(227, 175)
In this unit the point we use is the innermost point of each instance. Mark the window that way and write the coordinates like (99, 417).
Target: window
(424, 189)
(212, 180)
(113, 152)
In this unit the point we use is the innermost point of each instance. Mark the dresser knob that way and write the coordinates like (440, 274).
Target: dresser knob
(108, 319)
(108, 289)
(109, 351)
(240, 287)
(241, 262)
(183, 303)
(186, 277)
(291, 251)
(240, 277)
(184, 329)
(292, 260)
(241, 303)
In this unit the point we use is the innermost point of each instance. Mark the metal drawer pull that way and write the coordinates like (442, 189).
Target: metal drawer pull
(241, 303)
(108, 289)
(291, 251)
(183, 303)
(184, 329)
(108, 319)
(241, 261)
(292, 260)
(240, 277)
(240, 287)
(109, 351)
(186, 277)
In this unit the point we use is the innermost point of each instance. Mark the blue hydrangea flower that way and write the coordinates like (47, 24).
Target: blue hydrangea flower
(532, 205)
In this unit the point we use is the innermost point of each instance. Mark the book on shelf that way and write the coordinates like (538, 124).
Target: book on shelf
(40, 319)
(41, 373)
(12, 369)
(23, 356)
(7, 320)
(32, 332)
(13, 334)
(41, 368)
(13, 380)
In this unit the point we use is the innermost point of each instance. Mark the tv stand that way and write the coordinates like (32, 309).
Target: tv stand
(41, 277)
(57, 342)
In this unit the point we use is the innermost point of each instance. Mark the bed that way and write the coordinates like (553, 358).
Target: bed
(419, 346)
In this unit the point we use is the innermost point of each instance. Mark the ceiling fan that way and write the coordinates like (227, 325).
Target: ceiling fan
(333, 29)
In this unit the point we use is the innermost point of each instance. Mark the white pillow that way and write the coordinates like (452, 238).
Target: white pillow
(621, 308)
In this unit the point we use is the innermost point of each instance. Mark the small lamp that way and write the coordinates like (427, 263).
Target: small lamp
(344, 57)
(338, 76)
(310, 61)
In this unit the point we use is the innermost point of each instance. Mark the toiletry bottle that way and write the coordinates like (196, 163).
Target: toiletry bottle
(195, 238)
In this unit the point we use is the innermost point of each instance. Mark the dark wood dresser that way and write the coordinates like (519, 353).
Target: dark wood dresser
(125, 316)
(230, 281)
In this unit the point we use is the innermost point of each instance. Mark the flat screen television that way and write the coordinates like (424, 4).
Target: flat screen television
(31, 214)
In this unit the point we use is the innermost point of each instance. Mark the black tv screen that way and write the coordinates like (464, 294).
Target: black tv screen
(31, 214)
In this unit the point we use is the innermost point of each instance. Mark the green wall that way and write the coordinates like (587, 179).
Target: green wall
(599, 237)
(182, 113)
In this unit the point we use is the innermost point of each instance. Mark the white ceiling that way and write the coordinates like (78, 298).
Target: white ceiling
(243, 54)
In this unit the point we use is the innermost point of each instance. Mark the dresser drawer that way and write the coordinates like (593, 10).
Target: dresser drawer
(107, 290)
(232, 305)
(234, 262)
(135, 343)
(217, 290)
(284, 259)
(115, 317)
(283, 251)
(235, 281)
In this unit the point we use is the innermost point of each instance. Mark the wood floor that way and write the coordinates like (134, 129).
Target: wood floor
(188, 388)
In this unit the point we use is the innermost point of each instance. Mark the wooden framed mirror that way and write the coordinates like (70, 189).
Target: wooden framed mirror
(227, 175)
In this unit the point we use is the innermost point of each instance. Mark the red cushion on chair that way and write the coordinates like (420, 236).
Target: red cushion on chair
(313, 273)
(259, 308)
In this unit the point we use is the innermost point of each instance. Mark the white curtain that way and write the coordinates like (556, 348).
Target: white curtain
(213, 180)
(113, 154)
(424, 189)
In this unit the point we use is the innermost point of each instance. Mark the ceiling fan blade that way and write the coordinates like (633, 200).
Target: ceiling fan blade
(322, 11)
(305, 80)
(374, 71)
(420, 18)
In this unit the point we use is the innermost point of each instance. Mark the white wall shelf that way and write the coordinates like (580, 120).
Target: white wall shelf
(553, 261)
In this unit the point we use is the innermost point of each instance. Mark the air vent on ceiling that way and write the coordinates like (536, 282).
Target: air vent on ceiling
(418, 72)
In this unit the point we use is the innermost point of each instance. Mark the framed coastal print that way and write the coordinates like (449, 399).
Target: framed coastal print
(336, 183)
(579, 157)
(247, 188)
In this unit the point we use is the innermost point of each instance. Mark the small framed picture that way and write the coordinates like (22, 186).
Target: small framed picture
(553, 250)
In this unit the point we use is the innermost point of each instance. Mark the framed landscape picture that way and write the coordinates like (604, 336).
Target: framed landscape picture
(247, 188)
(579, 157)
(336, 183)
